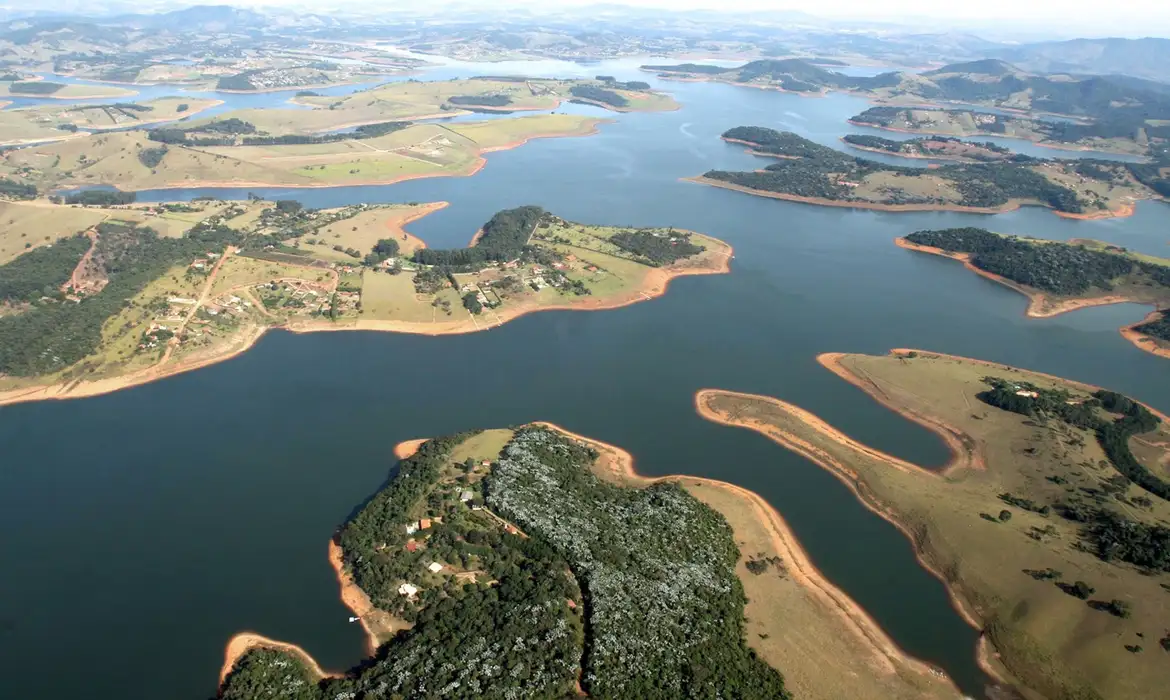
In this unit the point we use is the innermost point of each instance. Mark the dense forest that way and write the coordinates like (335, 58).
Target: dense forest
(654, 616)
(1113, 435)
(239, 81)
(1050, 266)
(656, 250)
(596, 94)
(232, 127)
(808, 169)
(101, 198)
(928, 147)
(503, 238)
(54, 335)
(17, 190)
(42, 271)
(481, 100)
(1157, 328)
(34, 87)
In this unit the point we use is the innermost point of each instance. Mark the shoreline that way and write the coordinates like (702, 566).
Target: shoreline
(243, 642)
(1042, 305)
(984, 651)
(1125, 211)
(803, 571)
(589, 128)
(655, 284)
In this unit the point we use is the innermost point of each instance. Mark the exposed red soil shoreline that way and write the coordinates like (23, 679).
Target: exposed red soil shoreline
(1041, 305)
(1125, 210)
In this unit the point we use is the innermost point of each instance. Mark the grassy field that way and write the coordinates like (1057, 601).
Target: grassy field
(27, 225)
(1052, 642)
(74, 92)
(421, 150)
(240, 271)
(98, 117)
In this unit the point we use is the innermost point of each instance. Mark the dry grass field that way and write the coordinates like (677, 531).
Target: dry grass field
(1050, 641)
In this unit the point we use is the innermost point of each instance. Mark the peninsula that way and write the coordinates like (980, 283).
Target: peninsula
(1058, 277)
(1046, 525)
(809, 172)
(59, 122)
(931, 148)
(545, 548)
(131, 305)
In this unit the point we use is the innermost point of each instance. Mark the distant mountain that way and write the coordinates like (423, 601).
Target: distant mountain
(195, 18)
(987, 66)
(1142, 58)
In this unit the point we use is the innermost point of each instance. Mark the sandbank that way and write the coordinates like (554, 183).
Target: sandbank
(1124, 211)
(408, 448)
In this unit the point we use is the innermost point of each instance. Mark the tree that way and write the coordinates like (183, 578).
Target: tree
(1005, 515)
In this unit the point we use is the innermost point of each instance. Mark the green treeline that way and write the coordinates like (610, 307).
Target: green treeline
(504, 238)
(151, 157)
(630, 591)
(656, 249)
(696, 68)
(812, 170)
(596, 94)
(921, 147)
(1158, 328)
(481, 100)
(1056, 267)
(101, 198)
(54, 335)
(239, 81)
(17, 190)
(34, 87)
(1113, 435)
(175, 135)
(42, 271)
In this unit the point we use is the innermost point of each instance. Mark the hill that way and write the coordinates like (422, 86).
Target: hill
(1143, 58)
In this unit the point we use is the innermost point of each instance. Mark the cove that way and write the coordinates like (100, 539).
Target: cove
(143, 528)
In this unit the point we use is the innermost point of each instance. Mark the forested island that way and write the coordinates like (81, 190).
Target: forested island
(519, 572)
(1058, 276)
(809, 172)
(1118, 136)
(1047, 524)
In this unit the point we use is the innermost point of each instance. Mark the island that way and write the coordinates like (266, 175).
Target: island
(526, 558)
(1111, 137)
(809, 172)
(1047, 524)
(1058, 277)
(143, 292)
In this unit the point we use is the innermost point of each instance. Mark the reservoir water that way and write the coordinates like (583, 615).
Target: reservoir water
(140, 530)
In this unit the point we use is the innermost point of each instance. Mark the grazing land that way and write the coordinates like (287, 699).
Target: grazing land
(1094, 136)
(1035, 524)
(61, 91)
(59, 122)
(131, 160)
(808, 172)
(933, 148)
(172, 287)
(1058, 277)
(518, 549)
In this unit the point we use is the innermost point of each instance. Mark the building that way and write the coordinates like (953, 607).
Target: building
(434, 567)
(466, 496)
(408, 590)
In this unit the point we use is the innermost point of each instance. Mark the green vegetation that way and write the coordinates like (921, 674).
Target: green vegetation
(17, 190)
(937, 147)
(1113, 435)
(504, 238)
(55, 334)
(1158, 328)
(238, 81)
(151, 157)
(656, 249)
(480, 100)
(1050, 266)
(232, 127)
(41, 272)
(596, 94)
(811, 170)
(34, 87)
(632, 591)
(101, 198)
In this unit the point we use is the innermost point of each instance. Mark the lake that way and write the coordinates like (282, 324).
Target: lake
(142, 529)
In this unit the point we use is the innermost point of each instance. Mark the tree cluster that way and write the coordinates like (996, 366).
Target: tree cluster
(596, 94)
(656, 250)
(503, 238)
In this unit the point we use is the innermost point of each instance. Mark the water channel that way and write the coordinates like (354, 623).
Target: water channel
(141, 529)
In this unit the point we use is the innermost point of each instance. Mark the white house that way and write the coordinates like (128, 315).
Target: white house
(412, 528)
(408, 590)
(434, 567)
